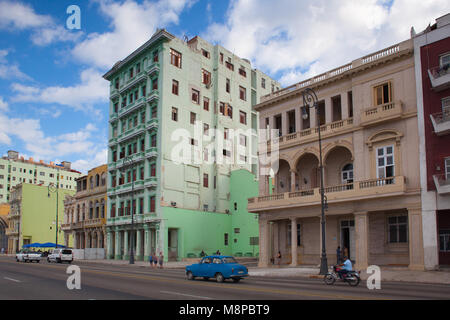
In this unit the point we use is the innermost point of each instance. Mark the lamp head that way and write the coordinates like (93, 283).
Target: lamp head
(304, 112)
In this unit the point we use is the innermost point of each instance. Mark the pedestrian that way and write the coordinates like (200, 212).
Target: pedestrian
(155, 260)
(338, 255)
(150, 260)
(279, 258)
(202, 254)
(218, 252)
(161, 259)
(3, 250)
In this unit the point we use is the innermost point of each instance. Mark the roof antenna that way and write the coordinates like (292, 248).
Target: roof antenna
(185, 38)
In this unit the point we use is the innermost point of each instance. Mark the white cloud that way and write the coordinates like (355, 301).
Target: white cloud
(295, 38)
(91, 89)
(18, 16)
(3, 105)
(10, 70)
(93, 160)
(132, 25)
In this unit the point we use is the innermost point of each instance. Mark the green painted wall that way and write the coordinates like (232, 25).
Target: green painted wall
(243, 186)
(38, 213)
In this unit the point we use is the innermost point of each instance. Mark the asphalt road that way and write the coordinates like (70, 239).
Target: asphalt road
(48, 281)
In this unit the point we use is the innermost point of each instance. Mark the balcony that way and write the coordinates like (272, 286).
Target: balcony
(442, 182)
(151, 182)
(359, 190)
(441, 122)
(383, 112)
(131, 133)
(311, 134)
(152, 69)
(440, 77)
(153, 96)
(130, 83)
(11, 232)
(151, 152)
(152, 124)
(135, 157)
(96, 222)
(65, 226)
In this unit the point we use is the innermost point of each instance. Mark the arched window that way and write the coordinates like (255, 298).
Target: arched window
(91, 209)
(347, 174)
(91, 182)
(103, 178)
(103, 209)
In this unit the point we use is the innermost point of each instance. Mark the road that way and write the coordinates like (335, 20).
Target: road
(36, 281)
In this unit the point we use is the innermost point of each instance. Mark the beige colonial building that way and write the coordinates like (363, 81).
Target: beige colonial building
(84, 212)
(368, 121)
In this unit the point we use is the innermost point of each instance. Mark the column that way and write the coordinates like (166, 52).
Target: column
(147, 248)
(328, 110)
(109, 245)
(86, 240)
(294, 253)
(430, 240)
(117, 255)
(415, 239)
(298, 120)
(293, 180)
(263, 244)
(313, 117)
(344, 105)
(126, 249)
(138, 244)
(361, 240)
(284, 124)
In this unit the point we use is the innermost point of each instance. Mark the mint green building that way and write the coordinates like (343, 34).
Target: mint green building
(32, 215)
(15, 170)
(173, 107)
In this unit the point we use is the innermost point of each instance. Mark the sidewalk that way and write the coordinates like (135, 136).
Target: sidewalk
(387, 273)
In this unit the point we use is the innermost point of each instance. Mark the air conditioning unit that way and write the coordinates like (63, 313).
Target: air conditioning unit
(173, 204)
(227, 211)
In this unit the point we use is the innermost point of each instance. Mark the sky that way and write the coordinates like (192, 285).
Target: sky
(54, 100)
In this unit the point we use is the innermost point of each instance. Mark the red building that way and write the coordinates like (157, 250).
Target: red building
(432, 69)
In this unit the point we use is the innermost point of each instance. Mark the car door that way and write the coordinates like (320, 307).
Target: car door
(202, 267)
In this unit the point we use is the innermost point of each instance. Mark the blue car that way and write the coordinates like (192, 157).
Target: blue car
(218, 267)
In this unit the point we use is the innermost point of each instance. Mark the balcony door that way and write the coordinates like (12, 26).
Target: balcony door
(347, 174)
(445, 107)
(385, 163)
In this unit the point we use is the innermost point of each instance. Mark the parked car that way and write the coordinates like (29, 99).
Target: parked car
(61, 255)
(218, 267)
(28, 256)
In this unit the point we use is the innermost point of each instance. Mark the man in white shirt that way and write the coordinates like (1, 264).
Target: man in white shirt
(346, 267)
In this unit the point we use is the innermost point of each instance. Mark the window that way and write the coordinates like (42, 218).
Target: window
(242, 72)
(445, 103)
(152, 204)
(242, 117)
(155, 56)
(130, 73)
(206, 129)
(398, 229)
(242, 93)
(138, 68)
(226, 153)
(205, 104)
(385, 162)
(144, 91)
(175, 58)
(229, 65)
(226, 109)
(383, 94)
(116, 83)
(263, 83)
(447, 169)
(205, 180)
(153, 170)
(155, 84)
(205, 53)
(444, 240)
(227, 85)
(174, 114)
(205, 207)
(153, 141)
(141, 205)
(243, 140)
(225, 239)
(444, 60)
(206, 77)
(347, 174)
(195, 96)
(221, 57)
(175, 87)
(193, 116)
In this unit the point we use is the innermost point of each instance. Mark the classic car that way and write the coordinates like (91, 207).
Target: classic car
(218, 267)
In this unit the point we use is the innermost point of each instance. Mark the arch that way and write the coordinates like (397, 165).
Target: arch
(336, 144)
(385, 134)
(301, 153)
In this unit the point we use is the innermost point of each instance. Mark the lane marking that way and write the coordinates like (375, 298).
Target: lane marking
(186, 295)
(11, 279)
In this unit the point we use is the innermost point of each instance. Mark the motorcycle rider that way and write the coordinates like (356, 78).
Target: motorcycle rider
(345, 267)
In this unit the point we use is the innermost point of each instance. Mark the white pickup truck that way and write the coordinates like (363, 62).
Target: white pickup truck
(28, 256)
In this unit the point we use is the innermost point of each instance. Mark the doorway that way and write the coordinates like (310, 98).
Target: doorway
(348, 238)
(173, 244)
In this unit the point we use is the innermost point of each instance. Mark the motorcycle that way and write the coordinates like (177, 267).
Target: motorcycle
(352, 277)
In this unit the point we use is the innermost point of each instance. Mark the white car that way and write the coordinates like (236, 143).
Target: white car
(28, 256)
(60, 255)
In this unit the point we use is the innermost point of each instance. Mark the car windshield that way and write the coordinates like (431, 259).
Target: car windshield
(229, 260)
(67, 252)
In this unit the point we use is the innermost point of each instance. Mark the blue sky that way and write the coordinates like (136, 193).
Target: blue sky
(54, 101)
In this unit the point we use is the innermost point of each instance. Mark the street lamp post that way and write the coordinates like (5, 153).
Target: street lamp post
(129, 160)
(310, 97)
(51, 188)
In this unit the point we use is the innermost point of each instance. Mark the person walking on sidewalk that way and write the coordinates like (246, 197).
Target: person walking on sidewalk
(161, 259)
(155, 260)
(150, 260)
(279, 258)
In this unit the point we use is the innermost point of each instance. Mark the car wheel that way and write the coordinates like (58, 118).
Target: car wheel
(58, 260)
(236, 280)
(219, 277)
(48, 260)
(190, 276)
(206, 278)
(37, 261)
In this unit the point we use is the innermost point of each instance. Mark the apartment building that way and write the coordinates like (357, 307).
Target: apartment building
(85, 211)
(15, 170)
(4, 211)
(370, 147)
(432, 61)
(36, 214)
(166, 94)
